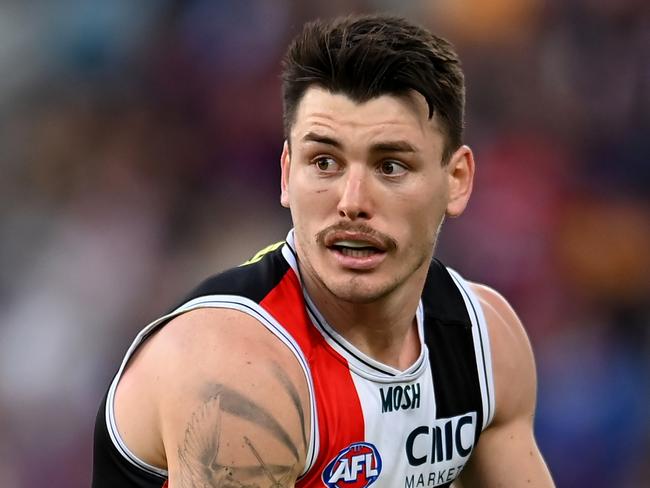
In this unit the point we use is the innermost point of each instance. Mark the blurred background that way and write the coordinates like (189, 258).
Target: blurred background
(139, 153)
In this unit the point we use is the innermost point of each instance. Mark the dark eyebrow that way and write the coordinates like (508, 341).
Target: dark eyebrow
(387, 146)
(313, 137)
(393, 146)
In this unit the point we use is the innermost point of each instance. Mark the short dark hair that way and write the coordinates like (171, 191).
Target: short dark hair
(365, 56)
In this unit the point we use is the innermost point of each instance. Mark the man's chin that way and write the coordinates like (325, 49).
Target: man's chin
(358, 291)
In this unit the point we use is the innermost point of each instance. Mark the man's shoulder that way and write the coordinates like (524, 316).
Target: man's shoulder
(203, 365)
(234, 380)
(513, 359)
(500, 315)
(447, 287)
(192, 337)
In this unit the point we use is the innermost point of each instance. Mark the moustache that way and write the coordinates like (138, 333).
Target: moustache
(387, 242)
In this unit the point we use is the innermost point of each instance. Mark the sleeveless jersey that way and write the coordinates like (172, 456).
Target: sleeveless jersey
(371, 424)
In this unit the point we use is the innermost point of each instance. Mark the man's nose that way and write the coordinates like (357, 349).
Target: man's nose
(356, 199)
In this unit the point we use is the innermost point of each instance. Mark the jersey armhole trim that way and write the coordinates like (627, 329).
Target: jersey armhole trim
(233, 302)
(111, 424)
(481, 338)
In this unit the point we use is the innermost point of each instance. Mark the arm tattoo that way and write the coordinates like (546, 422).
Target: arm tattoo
(198, 455)
(295, 398)
(238, 405)
(274, 483)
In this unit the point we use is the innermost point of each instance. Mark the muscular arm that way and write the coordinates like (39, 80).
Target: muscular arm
(231, 402)
(202, 454)
(507, 454)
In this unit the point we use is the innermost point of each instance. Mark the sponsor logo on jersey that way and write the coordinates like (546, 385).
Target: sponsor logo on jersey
(356, 466)
(441, 441)
(438, 452)
(433, 478)
(398, 397)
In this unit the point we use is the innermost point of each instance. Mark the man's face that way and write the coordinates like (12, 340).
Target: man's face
(367, 192)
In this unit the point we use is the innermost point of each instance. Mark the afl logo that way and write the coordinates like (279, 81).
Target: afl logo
(356, 466)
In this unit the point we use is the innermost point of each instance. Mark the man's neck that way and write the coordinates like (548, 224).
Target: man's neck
(385, 329)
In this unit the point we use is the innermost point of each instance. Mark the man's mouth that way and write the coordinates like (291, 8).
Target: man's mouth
(355, 249)
(359, 248)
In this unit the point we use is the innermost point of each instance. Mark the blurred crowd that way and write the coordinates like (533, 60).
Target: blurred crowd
(139, 153)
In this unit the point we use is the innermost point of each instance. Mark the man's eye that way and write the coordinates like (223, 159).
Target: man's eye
(392, 168)
(326, 164)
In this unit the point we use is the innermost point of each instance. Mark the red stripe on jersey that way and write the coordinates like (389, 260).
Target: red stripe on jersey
(340, 418)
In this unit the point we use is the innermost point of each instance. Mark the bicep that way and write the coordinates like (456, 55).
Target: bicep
(235, 413)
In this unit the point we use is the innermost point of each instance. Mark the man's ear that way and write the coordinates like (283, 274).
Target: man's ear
(285, 165)
(460, 174)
